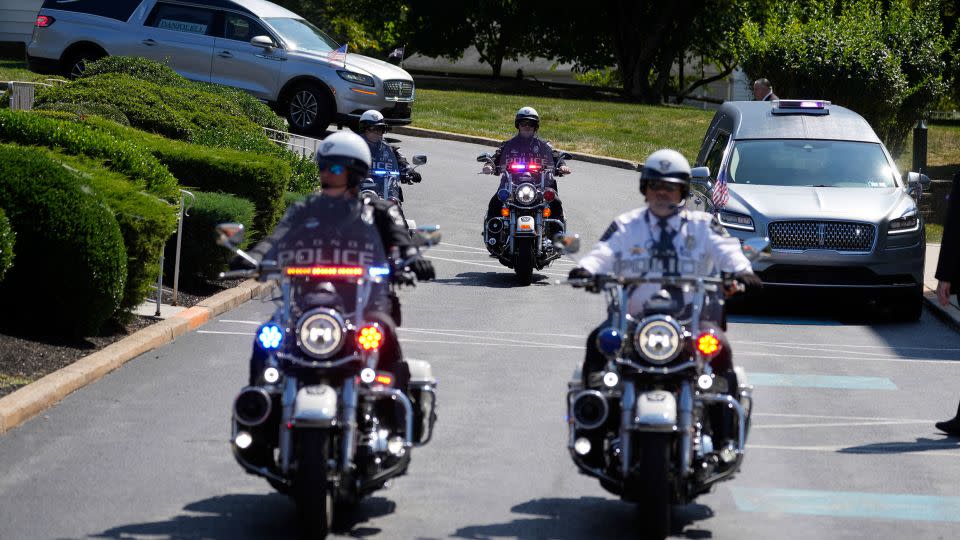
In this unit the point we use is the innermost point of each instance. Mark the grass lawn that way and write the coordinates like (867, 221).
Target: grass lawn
(16, 70)
(934, 233)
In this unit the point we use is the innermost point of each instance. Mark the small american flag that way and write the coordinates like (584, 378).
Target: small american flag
(339, 55)
(720, 194)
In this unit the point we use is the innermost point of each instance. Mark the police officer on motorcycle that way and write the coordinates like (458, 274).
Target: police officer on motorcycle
(664, 238)
(384, 156)
(344, 161)
(526, 147)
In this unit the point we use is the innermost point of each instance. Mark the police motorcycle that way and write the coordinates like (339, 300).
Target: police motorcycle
(646, 426)
(325, 426)
(384, 183)
(518, 237)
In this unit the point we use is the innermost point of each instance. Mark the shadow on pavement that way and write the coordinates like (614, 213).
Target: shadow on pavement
(271, 516)
(583, 518)
(497, 280)
(922, 444)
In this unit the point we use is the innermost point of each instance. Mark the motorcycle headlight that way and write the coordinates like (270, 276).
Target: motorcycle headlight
(526, 194)
(906, 224)
(356, 78)
(320, 333)
(658, 339)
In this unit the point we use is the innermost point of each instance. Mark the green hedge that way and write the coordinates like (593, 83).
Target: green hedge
(71, 263)
(118, 153)
(145, 221)
(161, 74)
(7, 238)
(201, 259)
(260, 178)
(103, 110)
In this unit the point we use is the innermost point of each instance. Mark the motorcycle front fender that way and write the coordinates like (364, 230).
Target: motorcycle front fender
(315, 406)
(655, 411)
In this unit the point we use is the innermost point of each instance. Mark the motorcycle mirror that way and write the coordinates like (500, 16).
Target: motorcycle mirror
(754, 248)
(568, 243)
(427, 235)
(230, 235)
(419, 159)
(564, 156)
(484, 157)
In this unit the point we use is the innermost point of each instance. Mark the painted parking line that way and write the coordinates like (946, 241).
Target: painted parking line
(844, 382)
(847, 504)
(793, 321)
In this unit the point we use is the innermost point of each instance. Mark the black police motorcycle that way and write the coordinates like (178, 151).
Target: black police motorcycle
(519, 237)
(324, 425)
(385, 184)
(662, 422)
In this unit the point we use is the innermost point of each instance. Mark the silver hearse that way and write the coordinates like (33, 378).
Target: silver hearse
(816, 180)
(253, 45)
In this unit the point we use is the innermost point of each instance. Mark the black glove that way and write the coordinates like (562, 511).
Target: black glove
(579, 273)
(749, 279)
(239, 263)
(413, 177)
(422, 268)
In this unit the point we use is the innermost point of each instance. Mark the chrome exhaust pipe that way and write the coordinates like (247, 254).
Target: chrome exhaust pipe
(589, 409)
(252, 406)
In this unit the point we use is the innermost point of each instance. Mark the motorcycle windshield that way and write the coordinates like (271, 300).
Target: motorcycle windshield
(526, 156)
(333, 240)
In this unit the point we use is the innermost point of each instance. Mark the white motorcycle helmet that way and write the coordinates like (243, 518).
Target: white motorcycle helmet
(669, 166)
(527, 113)
(349, 150)
(372, 118)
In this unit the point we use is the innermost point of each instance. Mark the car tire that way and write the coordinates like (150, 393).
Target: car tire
(308, 110)
(907, 306)
(74, 64)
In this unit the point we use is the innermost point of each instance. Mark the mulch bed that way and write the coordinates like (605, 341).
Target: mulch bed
(26, 357)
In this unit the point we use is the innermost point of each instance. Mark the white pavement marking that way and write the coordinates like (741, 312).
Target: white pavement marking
(900, 449)
(801, 415)
(912, 360)
(240, 322)
(225, 333)
(461, 261)
(523, 345)
(499, 340)
(478, 249)
(838, 424)
(785, 344)
(533, 332)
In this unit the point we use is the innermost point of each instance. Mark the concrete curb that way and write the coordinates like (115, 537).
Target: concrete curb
(949, 314)
(448, 136)
(38, 396)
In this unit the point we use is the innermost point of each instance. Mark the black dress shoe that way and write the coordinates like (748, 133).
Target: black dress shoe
(950, 427)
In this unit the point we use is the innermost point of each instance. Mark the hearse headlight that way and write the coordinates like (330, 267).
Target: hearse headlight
(906, 224)
(356, 78)
(735, 220)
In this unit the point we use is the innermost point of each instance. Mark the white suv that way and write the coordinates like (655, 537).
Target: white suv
(254, 45)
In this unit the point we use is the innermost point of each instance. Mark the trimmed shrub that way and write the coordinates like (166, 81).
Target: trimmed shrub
(306, 177)
(201, 259)
(260, 178)
(7, 239)
(120, 155)
(145, 221)
(881, 58)
(103, 110)
(70, 253)
(161, 74)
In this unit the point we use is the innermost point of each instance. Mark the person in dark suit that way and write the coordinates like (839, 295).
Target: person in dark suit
(948, 274)
(763, 91)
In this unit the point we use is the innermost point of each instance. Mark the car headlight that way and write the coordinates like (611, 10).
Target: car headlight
(320, 333)
(356, 78)
(906, 224)
(734, 220)
(658, 339)
(526, 194)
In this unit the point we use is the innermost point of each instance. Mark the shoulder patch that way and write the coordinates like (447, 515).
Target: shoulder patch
(716, 227)
(610, 231)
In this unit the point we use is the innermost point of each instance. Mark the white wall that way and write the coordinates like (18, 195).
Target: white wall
(17, 18)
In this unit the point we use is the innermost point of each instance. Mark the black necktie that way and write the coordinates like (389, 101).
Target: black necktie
(665, 251)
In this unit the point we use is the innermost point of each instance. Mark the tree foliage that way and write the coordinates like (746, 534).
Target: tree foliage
(370, 27)
(882, 58)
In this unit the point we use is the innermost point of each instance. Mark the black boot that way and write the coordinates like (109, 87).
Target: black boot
(952, 426)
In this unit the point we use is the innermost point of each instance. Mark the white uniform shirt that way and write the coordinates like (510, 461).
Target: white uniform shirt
(703, 248)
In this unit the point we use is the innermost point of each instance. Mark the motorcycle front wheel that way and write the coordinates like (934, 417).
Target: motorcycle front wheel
(524, 260)
(651, 485)
(313, 495)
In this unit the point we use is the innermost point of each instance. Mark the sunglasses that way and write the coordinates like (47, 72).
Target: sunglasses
(334, 168)
(378, 129)
(658, 185)
(528, 123)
